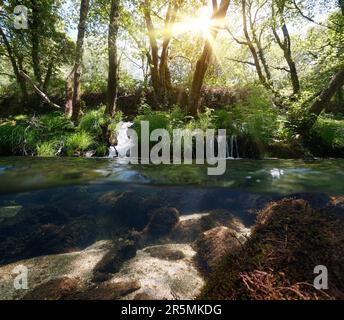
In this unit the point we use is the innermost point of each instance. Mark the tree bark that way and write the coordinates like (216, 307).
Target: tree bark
(205, 59)
(112, 89)
(73, 104)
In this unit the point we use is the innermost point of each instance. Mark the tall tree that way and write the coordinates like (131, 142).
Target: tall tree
(206, 56)
(112, 89)
(160, 73)
(73, 103)
(285, 43)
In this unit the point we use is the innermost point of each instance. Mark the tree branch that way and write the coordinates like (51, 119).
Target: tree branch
(38, 91)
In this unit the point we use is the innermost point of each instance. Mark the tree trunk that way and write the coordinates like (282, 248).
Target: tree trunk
(325, 97)
(113, 62)
(341, 5)
(154, 56)
(160, 73)
(285, 45)
(48, 76)
(73, 104)
(205, 59)
(35, 40)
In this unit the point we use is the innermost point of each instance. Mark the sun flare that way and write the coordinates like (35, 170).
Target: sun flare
(199, 24)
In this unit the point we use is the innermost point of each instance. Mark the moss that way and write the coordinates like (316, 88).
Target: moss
(278, 261)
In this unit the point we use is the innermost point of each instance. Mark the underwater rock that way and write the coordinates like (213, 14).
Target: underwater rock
(190, 227)
(9, 212)
(165, 253)
(55, 289)
(129, 210)
(213, 246)
(162, 222)
(48, 214)
(113, 260)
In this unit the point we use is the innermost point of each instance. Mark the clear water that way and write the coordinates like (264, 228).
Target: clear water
(52, 206)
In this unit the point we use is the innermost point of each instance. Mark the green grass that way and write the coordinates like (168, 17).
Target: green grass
(79, 142)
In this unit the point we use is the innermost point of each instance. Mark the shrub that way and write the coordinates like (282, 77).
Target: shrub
(254, 118)
(93, 121)
(19, 136)
(78, 142)
(330, 131)
(47, 149)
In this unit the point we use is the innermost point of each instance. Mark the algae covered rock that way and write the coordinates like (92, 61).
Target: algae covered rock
(162, 222)
(213, 246)
(278, 261)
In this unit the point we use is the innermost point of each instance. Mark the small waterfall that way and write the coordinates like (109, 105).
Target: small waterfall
(233, 148)
(124, 143)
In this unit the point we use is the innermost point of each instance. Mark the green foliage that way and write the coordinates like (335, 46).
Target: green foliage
(78, 142)
(253, 117)
(47, 149)
(330, 130)
(93, 121)
(102, 150)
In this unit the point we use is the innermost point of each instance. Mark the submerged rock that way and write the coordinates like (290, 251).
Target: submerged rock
(55, 289)
(165, 253)
(214, 245)
(9, 212)
(112, 262)
(162, 222)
